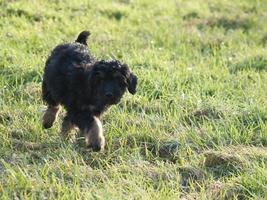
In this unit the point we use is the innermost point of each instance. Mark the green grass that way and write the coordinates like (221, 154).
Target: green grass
(202, 69)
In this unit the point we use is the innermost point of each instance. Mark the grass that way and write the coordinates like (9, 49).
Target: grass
(196, 129)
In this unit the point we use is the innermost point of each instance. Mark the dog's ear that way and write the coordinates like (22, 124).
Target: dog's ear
(131, 79)
(132, 83)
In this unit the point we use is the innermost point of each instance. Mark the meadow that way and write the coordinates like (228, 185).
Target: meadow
(196, 128)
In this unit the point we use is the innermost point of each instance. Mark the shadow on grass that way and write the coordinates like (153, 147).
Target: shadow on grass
(23, 13)
(114, 14)
(222, 164)
(31, 17)
(253, 121)
(199, 116)
(125, 1)
(191, 175)
(244, 23)
(5, 118)
(257, 63)
(238, 22)
(253, 118)
(191, 15)
(149, 148)
(212, 47)
(264, 40)
(227, 190)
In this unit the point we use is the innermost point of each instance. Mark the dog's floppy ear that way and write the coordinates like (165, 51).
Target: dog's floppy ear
(132, 83)
(131, 79)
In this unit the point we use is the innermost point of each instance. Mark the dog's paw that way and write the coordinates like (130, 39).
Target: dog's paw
(97, 144)
(50, 116)
(96, 147)
(48, 120)
(47, 125)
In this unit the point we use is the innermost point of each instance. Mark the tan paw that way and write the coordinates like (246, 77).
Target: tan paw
(97, 144)
(50, 116)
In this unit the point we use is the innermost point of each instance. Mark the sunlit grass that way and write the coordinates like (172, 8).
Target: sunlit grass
(196, 129)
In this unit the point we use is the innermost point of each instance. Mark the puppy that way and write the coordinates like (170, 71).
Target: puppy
(85, 87)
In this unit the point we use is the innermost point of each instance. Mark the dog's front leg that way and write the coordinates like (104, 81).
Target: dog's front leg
(94, 137)
(91, 128)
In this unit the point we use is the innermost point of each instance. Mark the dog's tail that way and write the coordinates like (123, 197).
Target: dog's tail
(82, 37)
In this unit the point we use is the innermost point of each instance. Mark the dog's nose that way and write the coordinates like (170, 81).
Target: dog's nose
(109, 95)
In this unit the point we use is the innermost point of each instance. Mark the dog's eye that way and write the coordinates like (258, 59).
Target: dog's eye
(98, 79)
(98, 75)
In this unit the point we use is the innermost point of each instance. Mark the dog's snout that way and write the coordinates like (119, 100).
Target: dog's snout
(109, 94)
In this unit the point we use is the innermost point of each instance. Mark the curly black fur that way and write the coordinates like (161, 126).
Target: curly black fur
(85, 86)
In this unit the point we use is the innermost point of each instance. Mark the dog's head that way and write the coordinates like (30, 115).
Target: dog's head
(109, 80)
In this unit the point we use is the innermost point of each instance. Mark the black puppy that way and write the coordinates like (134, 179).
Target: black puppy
(85, 87)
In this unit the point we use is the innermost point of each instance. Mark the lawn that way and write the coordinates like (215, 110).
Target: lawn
(196, 128)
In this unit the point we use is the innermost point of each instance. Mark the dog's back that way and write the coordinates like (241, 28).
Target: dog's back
(71, 58)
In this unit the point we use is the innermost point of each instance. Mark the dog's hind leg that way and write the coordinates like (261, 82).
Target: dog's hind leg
(50, 116)
(66, 129)
(52, 110)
